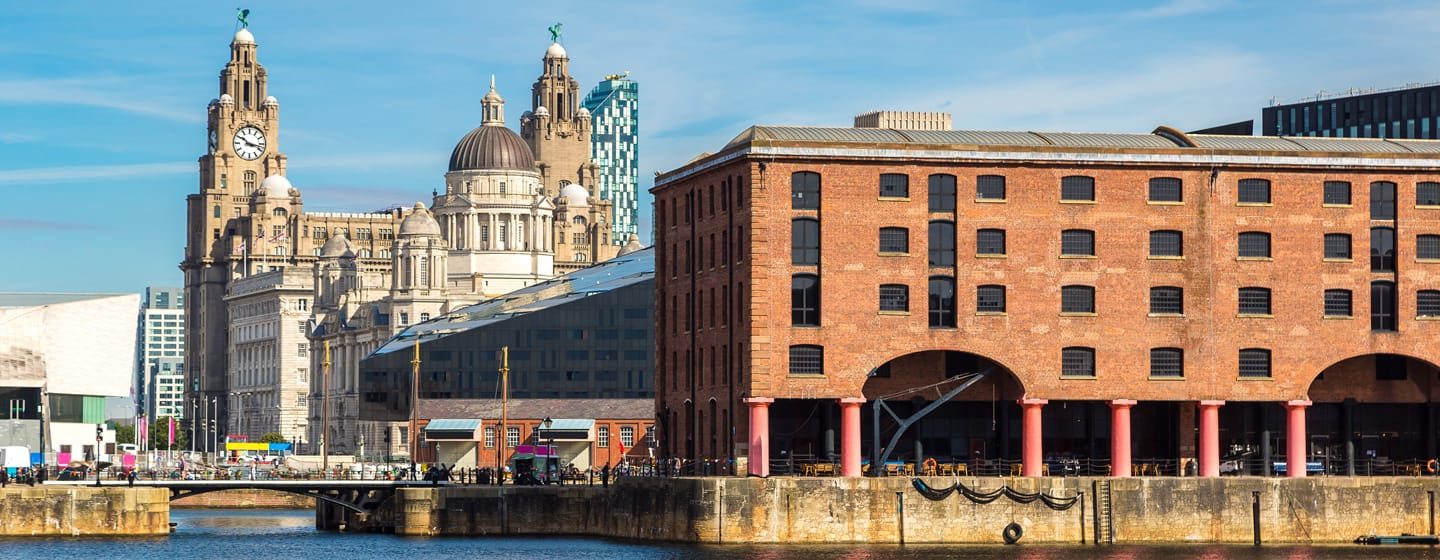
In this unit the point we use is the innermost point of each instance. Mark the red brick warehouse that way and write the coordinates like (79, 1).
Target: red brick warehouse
(1136, 303)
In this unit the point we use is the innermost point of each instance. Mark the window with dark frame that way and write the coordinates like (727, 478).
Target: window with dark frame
(1253, 191)
(1382, 200)
(1254, 362)
(942, 193)
(942, 302)
(1382, 306)
(1427, 247)
(1254, 301)
(942, 244)
(1077, 361)
(1167, 300)
(990, 187)
(807, 359)
(1427, 303)
(1427, 194)
(1338, 303)
(805, 300)
(1337, 246)
(1337, 192)
(894, 240)
(990, 298)
(1382, 249)
(894, 185)
(1077, 299)
(1167, 243)
(1077, 243)
(894, 297)
(1254, 244)
(805, 190)
(990, 242)
(1077, 188)
(805, 241)
(1167, 362)
(1166, 189)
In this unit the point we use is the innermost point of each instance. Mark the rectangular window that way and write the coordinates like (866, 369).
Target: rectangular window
(1077, 299)
(1382, 249)
(1382, 200)
(512, 436)
(942, 193)
(805, 190)
(894, 185)
(1382, 306)
(1427, 303)
(1254, 191)
(1077, 361)
(1427, 194)
(1254, 301)
(1167, 300)
(1166, 189)
(805, 241)
(1337, 303)
(807, 359)
(1337, 192)
(894, 240)
(490, 437)
(894, 297)
(1427, 247)
(1254, 244)
(1254, 362)
(602, 437)
(1167, 362)
(942, 244)
(627, 436)
(942, 302)
(1167, 243)
(1337, 246)
(1077, 188)
(990, 187)
(1077, 243)
(805, 300)
(990, 242)
(990, 299)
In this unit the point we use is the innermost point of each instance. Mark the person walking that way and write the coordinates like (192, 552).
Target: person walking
(605, 475)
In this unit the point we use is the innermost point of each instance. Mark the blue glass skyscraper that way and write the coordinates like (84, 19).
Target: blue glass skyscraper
(614, 107)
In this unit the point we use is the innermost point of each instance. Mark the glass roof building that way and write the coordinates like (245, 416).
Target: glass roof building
(614, 107)
(586, 335)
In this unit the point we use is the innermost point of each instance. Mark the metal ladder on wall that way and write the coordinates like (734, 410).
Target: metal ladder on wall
(1104, 520)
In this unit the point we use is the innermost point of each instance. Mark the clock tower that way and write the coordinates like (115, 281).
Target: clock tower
(242, 149)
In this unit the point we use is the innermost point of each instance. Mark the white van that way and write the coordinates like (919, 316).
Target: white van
(14, 457)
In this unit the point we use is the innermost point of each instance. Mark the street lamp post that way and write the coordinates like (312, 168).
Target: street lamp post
(549, 449)
(99, 437)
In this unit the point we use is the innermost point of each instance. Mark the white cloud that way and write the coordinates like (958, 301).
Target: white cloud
(16, 138)
(1179, 8)
(105, 93)
(75, 173)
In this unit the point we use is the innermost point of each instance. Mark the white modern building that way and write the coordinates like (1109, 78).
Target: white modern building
(61, 356)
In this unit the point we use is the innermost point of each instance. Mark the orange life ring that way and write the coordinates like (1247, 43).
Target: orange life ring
(930, 465)
(1431, 466)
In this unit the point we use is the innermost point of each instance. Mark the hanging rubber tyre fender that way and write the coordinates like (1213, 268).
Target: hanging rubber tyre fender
(1012, 533)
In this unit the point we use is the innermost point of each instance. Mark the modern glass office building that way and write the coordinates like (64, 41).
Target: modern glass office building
(160, 356)
(614, 107)
(1409, 112)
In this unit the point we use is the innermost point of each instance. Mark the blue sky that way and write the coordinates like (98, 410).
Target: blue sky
(102, 104)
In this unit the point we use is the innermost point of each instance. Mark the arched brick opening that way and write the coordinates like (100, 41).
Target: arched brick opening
(1375, 414)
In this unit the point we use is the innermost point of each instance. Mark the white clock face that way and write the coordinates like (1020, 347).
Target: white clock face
(249, 143)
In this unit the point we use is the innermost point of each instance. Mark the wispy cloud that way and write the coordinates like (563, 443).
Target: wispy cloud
(345, 198)
(105, 93)
(17, 224)
(364, 161)
(92, 172)
(1180, 8)
(16, 138)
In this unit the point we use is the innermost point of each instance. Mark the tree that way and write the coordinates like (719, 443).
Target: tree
(272, 437)
(160, 435)
(124, 434)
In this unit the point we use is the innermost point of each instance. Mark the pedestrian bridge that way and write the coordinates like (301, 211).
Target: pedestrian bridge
(359, 496)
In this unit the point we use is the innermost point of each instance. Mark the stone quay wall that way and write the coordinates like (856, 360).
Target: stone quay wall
(245, 499)
(837, 510)
(54, 510)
